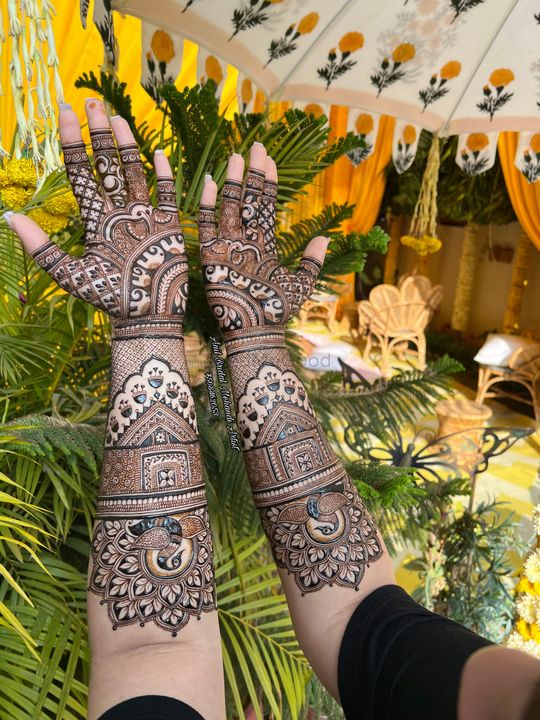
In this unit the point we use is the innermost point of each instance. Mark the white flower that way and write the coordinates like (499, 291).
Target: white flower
(536, 519)
(526, 607)
(532, 567)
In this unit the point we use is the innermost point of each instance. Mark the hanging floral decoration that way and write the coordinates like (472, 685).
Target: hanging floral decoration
(392, 69)
(422, 235)
(494, 91)
(473, 158)
(526, 634)
(365, 127)
(288, 43)
(528, 156)
(404, 150)
(338, 66)
(33, 54)
(18, 186)
(437, 87)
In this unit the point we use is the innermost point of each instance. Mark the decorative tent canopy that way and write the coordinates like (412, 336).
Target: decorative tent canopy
(449, 66)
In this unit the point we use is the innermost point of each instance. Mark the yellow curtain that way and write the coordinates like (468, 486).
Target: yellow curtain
(525, 197)
(362, 186)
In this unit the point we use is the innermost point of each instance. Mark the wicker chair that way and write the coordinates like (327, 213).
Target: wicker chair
(395, 318)
(523, 368)
(320, 307)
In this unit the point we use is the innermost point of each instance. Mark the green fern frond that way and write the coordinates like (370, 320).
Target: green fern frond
(348, 253)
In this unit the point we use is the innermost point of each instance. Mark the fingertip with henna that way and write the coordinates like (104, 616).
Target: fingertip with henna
(316, 248)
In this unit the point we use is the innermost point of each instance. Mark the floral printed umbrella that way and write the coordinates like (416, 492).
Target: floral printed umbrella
(467, 67)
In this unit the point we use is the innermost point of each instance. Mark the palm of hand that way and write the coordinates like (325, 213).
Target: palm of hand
(245, 284)
(134, 262)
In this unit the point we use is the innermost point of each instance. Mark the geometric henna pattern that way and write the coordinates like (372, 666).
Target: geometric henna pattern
(245, 285)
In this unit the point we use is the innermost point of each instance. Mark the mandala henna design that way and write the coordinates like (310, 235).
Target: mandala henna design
(107, 164)
(154, 569)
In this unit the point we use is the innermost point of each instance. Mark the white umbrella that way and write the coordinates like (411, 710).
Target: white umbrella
(449, 66)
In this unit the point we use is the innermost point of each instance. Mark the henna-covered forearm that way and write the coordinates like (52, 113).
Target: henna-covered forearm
(151, 549)
(319, 528)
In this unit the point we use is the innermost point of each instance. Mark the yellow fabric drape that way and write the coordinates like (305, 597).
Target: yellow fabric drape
(362, 186)
(525, 198)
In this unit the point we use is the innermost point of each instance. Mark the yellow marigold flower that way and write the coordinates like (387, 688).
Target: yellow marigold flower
(523, 629)
(64, 204)
(162, 46)
(314, 109)
(351, 41)
(308, 23)
(501, 77)
(403, 53)
(364, 124)
(432, 244)
(535, 147)
(15, 196)
(477, 141)
(532, 567)
(536, 588)
(3, 177)
(48, 222)
(408, 240)
(21, 171)
(524, 586)
(409, 134)
(535, 632)
(246, 90)
(450, 70)
(213, 69)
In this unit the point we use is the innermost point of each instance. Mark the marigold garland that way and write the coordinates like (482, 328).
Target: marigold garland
(18, 184)
(526, 634)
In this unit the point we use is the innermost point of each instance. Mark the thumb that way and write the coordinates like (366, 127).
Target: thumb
(30, 234)
(313, 257)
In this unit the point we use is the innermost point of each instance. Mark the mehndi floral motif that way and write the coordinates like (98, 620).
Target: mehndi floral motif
(288, 42)
(364, 126)
(336, 67)
(437, 87)
(494, 93)
(474, 158)
(392, 68)
(404, 154)
(529, 162)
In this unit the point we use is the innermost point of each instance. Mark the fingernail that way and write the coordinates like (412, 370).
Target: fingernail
(114, 117)
(207, 178)
(159, 151)
(258, 143)
(92, 99)
(64, 106)
(236, 155)
(7, 217)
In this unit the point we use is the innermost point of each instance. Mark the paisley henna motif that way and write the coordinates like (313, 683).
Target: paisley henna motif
(319, 528)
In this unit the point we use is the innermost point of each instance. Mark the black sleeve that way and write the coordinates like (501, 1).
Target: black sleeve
(399, 661)
(151, 707)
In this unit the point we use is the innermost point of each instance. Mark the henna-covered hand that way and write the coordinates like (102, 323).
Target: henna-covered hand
(134, 263)
(151, 548)
(319, 528)
(245, 284)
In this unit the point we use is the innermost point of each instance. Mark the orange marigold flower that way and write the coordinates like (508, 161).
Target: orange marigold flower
(162, 46)
(314, 109)
(246, 90)
(409, 134)
(535, 143)
(213, 69)
(364, 124)
(403, 53)
(308, 23)
(501, 77)
(477, 141)
(450, 70)
(351, 41)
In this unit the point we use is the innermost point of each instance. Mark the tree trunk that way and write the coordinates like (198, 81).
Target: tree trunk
(392, 255)
(522, 261)
(465, 279)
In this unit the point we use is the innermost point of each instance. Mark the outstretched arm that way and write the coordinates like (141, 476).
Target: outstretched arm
(151, 604)
(324, 540)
